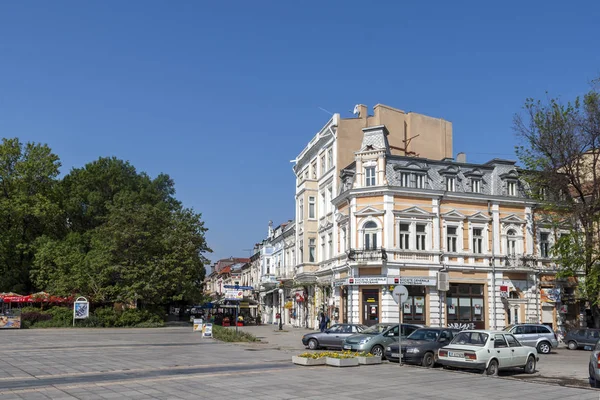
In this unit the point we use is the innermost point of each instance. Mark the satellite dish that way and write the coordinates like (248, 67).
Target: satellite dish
(356, 110)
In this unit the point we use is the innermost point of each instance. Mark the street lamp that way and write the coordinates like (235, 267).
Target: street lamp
(280, 313)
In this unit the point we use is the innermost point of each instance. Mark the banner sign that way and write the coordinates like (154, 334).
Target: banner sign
(206, 330)
(232, 294)
(81, 308)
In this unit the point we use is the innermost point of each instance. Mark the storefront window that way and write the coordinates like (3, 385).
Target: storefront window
(465, 306)
(413, 310)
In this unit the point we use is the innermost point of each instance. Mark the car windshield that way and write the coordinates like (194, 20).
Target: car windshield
(430, 335)
(361, 328)
(471, 338)
(376, 329)
(508, 328)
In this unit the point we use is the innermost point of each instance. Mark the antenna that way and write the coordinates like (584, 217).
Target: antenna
(322, 109)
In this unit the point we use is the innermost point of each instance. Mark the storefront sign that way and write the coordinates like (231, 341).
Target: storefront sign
(550, 295)
(339, 282)
(232, 294)
(379, 280)
(415, 281)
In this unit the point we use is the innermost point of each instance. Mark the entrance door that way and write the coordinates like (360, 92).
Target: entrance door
(370, 306)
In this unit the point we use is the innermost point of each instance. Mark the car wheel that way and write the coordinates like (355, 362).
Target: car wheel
(313, 344)
(593, 381)
(492, 368)
(530, 366)
(572, 345)
(428, 360)
(377, 351)
(544, 347)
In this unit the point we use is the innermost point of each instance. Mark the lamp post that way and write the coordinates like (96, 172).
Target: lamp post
(280, 313)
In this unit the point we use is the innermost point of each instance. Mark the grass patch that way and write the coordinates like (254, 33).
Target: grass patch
(230, 335)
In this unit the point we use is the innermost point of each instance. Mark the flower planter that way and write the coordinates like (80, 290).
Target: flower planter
(308, 361)
(342, 362)
(369, 360)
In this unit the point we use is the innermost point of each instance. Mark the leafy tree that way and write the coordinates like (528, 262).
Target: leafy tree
(28, 208)
(127, 239)
(562, 157)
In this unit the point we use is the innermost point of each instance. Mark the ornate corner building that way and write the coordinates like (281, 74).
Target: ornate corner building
(380, 201)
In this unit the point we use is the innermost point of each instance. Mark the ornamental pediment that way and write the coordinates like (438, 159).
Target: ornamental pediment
(512, 219)
(369, 212)
(454, 215)
(414, 212)
(478, 217)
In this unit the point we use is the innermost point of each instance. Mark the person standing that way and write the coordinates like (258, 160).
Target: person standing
(322, 322)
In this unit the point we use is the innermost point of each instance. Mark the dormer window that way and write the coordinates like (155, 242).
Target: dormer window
(370, 176)
(411, 179)
(511, 188)
(476, 185)
(450, 183)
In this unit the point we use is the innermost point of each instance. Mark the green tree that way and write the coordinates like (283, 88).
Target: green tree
(127, 239)
(561, 153)
(28, 208)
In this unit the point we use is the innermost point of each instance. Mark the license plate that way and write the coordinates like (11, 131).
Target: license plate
(456, 354)
(395, 355)
(346, 347)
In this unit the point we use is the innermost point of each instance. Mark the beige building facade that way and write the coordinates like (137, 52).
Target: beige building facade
(317, 170)
(463, 238)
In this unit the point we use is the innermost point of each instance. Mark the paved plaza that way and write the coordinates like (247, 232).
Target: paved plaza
(176, 363)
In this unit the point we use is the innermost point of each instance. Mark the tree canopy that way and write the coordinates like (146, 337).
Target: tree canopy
(561, 154)
(104, 231)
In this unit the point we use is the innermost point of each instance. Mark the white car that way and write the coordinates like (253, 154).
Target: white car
(488, 351)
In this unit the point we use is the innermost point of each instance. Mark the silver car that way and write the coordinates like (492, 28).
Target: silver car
(535, 335)
(332, 337)
(594, 367)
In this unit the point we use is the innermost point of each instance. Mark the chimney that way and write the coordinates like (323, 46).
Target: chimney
(461, 158)
(363, 111)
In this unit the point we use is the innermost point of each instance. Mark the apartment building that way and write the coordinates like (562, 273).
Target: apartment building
(317, 169)
(464, 238)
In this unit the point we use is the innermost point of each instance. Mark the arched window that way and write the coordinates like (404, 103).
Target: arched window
(511, 242)
(370, 235)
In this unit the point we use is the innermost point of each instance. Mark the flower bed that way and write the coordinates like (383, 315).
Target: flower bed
(365, 358)
(309, 359)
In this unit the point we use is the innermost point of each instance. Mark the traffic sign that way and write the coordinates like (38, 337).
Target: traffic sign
(400, 294)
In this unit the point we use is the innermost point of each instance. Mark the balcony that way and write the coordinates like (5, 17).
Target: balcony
(365, 255)
(412, 255)
(528, 262)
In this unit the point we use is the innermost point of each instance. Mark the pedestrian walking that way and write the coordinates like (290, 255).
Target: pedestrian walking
(322, 322)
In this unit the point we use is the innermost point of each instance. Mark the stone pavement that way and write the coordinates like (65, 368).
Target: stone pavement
(176, 363)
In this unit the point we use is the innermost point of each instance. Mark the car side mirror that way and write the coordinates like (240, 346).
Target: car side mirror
(327, 331)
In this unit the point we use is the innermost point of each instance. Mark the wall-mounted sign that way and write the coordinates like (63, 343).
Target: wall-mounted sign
(232, 294)
(376, 280)
(414, 281)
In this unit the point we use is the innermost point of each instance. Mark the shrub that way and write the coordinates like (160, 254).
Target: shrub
(33, 317)
(230, 335)
(107, 316)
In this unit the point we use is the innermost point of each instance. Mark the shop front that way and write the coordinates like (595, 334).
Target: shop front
(465, 306)
(375, 302)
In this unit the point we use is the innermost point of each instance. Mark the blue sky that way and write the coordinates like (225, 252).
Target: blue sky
(221, 95)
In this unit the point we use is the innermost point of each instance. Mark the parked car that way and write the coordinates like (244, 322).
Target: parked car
(332, 337)
(377, 337)
(585, 338)
(421, 346)
(535, 335)
(594, 366)
(488, 351)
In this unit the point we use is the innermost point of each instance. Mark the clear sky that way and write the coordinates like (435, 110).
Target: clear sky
(220, 95)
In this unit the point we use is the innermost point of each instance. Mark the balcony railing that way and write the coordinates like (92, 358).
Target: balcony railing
(527, 262)
(378, 254)
(411, 255)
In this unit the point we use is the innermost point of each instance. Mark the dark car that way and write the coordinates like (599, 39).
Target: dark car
(421, 346)
(332, 337)
(585, 338)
